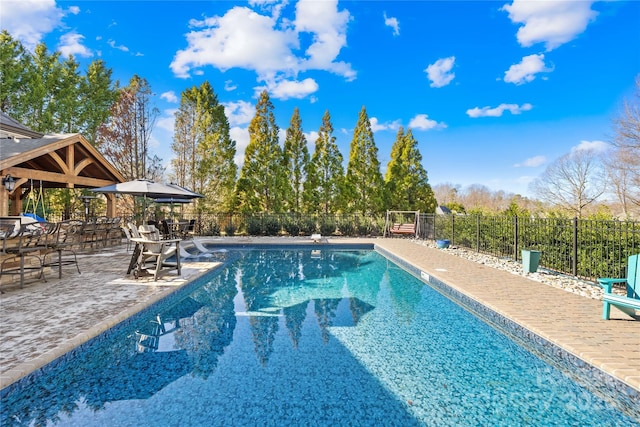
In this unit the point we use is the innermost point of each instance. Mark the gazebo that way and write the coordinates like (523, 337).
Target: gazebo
(29, 158)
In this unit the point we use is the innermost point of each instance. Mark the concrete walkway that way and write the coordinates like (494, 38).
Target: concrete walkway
(45, 320)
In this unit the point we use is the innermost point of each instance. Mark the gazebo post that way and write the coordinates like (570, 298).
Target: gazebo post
(4, 202)
(111, 205)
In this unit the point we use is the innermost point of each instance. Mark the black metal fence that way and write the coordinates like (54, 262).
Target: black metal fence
(582, 248)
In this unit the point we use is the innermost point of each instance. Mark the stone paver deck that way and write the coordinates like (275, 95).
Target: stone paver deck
(45, 320)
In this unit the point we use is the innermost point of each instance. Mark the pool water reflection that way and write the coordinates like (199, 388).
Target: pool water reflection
(295, 337)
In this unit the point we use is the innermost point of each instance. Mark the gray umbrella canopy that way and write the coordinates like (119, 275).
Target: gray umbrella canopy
(148, 188)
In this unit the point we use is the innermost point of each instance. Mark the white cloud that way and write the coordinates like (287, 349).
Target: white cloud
(328, 27)
(311, 138)
(440, 72)
(29, 20)
(596, 146)
(377, 126)
(287, 89)
(553, 23)
(423, 122)
(497, 111)
(168, 120)
(243, 38)
(393, 23)
(74, 10)
(229, 86)
(71, 44)
(526, 70)
(532, 162)
(113, 44)
(241, 137)
(239, 113)
(169, 96)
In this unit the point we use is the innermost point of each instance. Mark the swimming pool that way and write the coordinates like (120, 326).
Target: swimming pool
(304, 337)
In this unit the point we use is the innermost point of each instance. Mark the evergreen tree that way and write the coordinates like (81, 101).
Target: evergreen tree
(98, 95)
(406, 180)
(39, 103)
(325, 173)
(261, 183)
(48, 95)
(204, 149)
(14, 61)
(295, 161)
(68, 104)
(364, 186)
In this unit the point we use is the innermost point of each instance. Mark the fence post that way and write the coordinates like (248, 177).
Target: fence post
(453, 229)
(574, 262)
(515, 237)
(477, 233)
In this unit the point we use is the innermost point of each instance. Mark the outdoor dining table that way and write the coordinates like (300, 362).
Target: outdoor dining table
(137, 262)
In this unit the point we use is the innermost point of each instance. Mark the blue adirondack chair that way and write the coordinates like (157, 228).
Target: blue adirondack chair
(629, 303)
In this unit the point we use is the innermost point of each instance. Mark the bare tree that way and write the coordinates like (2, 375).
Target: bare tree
(624, 164)
(573, 182)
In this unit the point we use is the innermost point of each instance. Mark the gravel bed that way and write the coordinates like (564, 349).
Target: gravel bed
(557, 280)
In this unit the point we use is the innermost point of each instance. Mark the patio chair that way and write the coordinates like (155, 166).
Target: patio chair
(156, 251)
(127, 234)
(26, 244)
(114, 233)
(186, 254)
(631, 302)
(65, 239)
(89, 232)
(133, 230)
(201, 248)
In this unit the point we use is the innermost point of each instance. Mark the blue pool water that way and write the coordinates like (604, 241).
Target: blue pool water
(301, 337)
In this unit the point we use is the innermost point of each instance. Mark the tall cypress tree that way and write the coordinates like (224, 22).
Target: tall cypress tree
(204, 149)
(98, 95)
(14, 61)
(406, 179)
(261, 183)
(295, 160)
(364, 186)
(68, 103)
(42, 76)
(325, 174)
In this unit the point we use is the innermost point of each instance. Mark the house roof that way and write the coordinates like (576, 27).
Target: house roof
(11, 128)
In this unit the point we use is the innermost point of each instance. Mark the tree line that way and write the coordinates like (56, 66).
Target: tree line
(279, 178)
(50, 94)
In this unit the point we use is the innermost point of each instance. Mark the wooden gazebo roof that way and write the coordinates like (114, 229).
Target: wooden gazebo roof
(49, 161)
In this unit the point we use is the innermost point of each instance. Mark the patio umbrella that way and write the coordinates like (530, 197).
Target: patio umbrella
(148, 189)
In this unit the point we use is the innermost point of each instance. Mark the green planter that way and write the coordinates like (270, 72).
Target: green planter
(530, 260)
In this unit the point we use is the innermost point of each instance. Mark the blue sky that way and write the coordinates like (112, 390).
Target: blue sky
(492, 90)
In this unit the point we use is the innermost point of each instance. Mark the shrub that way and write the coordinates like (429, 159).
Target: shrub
(308, 225)
(254, 226)
(229, 229)
(292, 227)
(271, 226)
(346, 226)
(327, 226)
(213, 229)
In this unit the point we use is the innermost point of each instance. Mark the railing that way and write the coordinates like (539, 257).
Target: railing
(582, 248)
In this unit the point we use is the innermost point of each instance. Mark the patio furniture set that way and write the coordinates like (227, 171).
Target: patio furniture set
(152, 251)
(29, 246)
